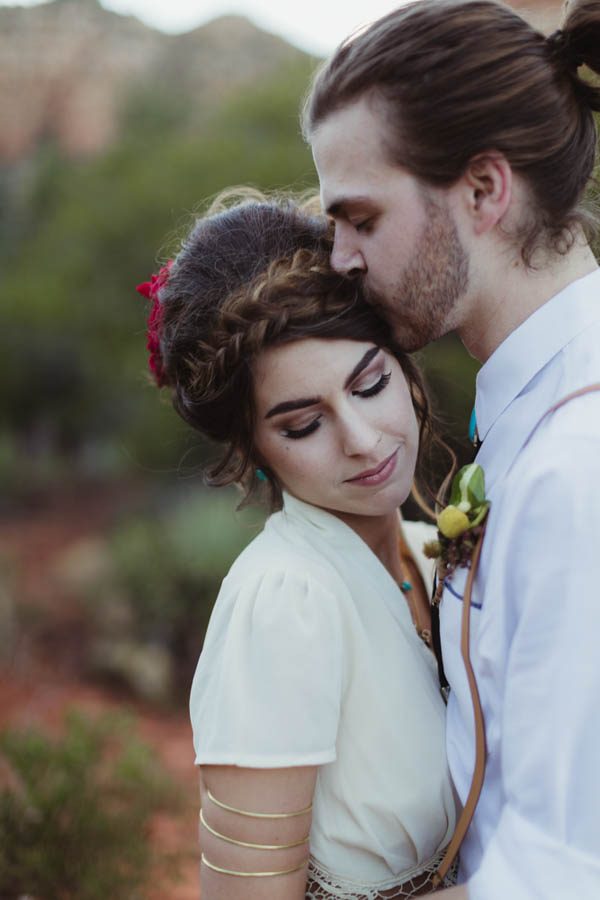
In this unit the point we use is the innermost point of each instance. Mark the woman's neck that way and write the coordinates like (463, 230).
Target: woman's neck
(381, 534)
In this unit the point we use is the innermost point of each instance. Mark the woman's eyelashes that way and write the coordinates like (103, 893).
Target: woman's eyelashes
(381, 383)
(370, 391)
(295, 433)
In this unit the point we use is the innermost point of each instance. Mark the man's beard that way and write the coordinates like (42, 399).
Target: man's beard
(419, 307)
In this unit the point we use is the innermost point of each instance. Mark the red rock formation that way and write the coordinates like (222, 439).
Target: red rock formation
(66, 67)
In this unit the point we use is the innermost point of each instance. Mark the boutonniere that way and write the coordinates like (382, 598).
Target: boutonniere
(459, 524)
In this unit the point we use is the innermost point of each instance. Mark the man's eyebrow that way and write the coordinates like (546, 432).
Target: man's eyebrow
(340, 205)
(303, 402)
(358, 368)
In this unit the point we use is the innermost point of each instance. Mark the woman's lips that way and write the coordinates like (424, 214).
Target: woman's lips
(377, 475)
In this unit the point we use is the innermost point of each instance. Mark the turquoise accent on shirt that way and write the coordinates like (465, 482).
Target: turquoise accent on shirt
(473, 427)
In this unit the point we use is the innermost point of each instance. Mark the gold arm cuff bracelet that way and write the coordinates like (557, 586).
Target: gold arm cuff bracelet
(258, 815)
(230, 840)
(222, 871)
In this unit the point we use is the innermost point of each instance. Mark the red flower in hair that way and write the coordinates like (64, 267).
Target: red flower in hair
(151, 290)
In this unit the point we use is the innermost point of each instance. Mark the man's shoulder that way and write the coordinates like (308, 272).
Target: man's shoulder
(576, 420)
(562, 458)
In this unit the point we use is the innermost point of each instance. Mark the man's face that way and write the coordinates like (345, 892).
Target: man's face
(396, 233)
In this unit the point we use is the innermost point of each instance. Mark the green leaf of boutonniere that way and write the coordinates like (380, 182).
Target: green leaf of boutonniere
(460, 523)
(468, 488)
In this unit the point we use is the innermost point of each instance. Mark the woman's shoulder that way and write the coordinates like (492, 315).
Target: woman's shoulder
(267, 687)
(280, 551)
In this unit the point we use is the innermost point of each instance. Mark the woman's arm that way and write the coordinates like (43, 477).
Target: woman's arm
(285, 792)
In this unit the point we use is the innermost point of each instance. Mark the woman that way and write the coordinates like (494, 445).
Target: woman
(318, 722)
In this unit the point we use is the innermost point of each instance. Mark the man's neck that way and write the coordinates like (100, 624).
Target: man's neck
(508, 294)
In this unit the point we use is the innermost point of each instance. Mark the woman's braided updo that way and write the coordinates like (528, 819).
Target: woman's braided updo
(251, 276)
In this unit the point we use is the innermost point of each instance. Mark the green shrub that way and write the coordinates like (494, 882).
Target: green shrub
(75, 811)
(169, 568)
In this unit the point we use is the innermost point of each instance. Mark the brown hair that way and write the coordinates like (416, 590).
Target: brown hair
(462, 78)
(248, 277)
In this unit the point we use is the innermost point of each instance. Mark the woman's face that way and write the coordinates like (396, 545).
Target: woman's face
(336, 425)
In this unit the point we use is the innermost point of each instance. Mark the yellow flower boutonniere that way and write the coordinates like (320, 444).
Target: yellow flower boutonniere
(459, 524)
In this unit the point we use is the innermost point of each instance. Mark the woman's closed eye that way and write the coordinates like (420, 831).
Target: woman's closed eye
(371, 390)
(296, 433)
(376, 388)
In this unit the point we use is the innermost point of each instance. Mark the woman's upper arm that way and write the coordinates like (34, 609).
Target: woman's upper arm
(286, 795)
(268, 688)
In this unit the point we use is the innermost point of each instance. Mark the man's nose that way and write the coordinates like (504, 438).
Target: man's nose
(345, 257)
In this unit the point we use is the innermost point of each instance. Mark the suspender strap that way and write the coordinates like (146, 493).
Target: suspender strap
(468, 811)
(590, 389)
(466, 815)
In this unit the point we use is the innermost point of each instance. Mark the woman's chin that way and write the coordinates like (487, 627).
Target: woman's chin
(382, 503)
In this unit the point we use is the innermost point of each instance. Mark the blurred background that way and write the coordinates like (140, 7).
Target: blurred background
(118, 124)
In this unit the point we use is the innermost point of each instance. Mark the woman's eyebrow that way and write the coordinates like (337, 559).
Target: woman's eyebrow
(362, 364)
(303, 402)
(290, 405)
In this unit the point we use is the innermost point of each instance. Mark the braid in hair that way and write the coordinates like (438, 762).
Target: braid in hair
(260, 314)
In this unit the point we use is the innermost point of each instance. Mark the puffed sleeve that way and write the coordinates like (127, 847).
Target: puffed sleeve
(267, 688)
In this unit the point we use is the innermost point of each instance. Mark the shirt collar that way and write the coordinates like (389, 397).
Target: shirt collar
(332, 530)
(532, 345)
(319, 518)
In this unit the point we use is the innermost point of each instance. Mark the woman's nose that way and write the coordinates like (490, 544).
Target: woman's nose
(345, 256)
(360, 437)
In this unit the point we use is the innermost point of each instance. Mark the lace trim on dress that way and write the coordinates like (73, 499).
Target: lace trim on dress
(324, 885)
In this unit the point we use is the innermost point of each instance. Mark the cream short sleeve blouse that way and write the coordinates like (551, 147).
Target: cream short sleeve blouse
(311, 658)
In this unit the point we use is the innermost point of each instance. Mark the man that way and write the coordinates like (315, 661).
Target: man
(453, 144)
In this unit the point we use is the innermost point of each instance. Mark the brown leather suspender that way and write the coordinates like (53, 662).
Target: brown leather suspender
(468, 811)
(464, 820)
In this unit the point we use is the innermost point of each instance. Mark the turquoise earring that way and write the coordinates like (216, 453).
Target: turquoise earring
(260, 475)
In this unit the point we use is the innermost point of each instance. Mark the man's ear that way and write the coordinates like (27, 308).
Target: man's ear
(487, 187)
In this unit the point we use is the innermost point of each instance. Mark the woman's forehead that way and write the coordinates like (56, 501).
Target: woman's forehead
(315, 363)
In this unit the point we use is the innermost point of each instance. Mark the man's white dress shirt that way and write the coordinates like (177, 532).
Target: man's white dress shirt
(535, 623)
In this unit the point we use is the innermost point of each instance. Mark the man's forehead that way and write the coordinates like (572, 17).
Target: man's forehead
(349, 154)
(352, 129)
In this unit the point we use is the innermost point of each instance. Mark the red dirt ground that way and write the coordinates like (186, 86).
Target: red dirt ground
(32, 693)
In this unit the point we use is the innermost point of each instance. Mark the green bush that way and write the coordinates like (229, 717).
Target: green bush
(169, 567)
(75, 811)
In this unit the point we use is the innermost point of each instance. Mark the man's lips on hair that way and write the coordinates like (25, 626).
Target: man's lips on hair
(368, 473)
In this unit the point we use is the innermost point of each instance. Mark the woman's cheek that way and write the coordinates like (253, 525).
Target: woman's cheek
(302, 461)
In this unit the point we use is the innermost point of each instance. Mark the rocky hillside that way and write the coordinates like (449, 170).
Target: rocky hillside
(544, 14)
(68, 68)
